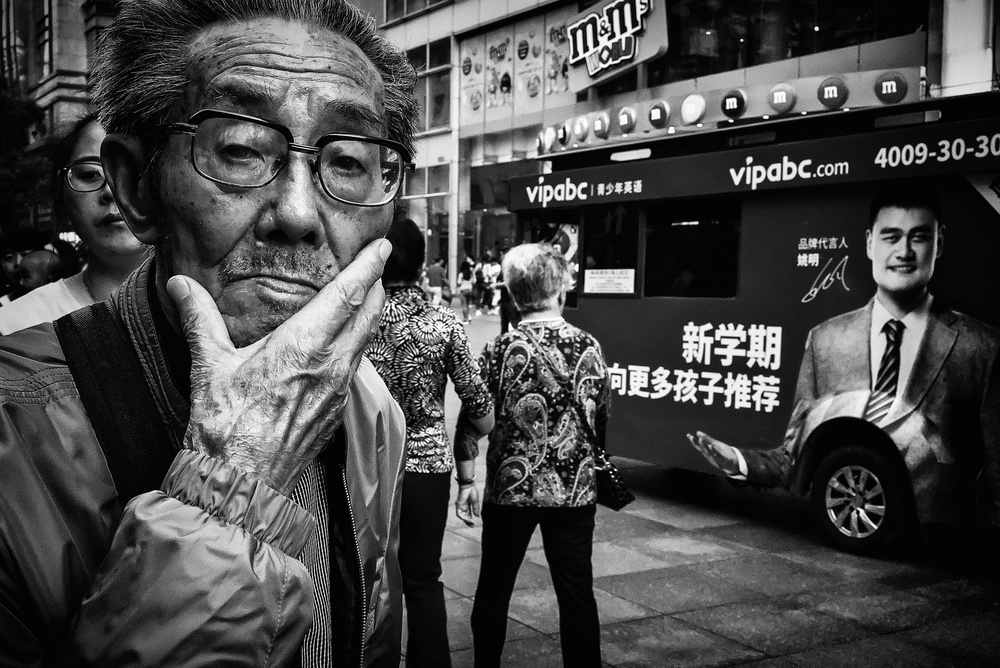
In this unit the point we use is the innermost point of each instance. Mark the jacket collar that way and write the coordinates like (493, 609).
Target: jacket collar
(935, 347)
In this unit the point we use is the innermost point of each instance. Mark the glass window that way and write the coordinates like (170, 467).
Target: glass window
(418, 58)
(395, 9)
(439, 99)
(43, 36)
(439, 53)
(415, 183)
(708, 36)
(431, 215)
(437, 179)
(611, 237)
(626, 83)
(692, 249)
(420, 90)
(433, 64)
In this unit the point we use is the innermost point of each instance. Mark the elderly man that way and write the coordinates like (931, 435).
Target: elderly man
(204, 470)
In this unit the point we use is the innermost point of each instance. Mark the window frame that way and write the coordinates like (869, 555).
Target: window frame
(425, 75)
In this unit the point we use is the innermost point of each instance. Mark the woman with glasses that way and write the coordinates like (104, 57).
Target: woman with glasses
(81, 198)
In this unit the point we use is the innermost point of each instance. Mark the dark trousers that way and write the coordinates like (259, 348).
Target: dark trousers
(422, 521)
(568, 539)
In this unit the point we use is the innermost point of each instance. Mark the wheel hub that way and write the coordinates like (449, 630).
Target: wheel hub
(855, 501)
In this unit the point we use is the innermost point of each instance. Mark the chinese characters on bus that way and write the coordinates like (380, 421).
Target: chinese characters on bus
(754, 348)
(817, 243)
(619, 187)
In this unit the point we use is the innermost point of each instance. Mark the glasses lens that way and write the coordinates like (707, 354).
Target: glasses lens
(360, 172)
(85, 177)
(237, 152)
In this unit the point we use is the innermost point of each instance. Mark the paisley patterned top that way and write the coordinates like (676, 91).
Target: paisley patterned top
(416, 348)
(539, 452)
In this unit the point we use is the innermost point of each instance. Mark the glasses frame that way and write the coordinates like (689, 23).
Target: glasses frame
(191, 127)
(87, 161)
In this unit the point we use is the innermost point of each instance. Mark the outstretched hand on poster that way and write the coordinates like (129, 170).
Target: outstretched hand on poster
(720, 455)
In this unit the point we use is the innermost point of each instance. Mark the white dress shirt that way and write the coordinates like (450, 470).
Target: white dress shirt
(914, 326)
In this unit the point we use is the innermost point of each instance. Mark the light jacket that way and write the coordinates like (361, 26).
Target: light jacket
(205, 570)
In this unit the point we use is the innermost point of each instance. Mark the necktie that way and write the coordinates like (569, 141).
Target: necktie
(884, 390)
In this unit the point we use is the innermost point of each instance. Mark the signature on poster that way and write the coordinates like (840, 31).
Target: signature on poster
(827, 278)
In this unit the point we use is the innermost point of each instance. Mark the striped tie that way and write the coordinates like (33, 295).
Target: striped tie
(884, 391)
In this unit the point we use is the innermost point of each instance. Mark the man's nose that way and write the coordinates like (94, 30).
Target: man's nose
(906, 248)
(295, 217)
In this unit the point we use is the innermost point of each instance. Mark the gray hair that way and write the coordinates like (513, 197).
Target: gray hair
(535, 274)
(141, 69)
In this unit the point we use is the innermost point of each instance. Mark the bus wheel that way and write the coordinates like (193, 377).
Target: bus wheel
(858, 499)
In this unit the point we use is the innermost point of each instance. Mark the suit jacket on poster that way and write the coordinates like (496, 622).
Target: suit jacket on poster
(946, 425)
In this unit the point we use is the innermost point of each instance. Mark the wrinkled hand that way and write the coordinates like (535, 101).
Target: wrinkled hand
(720, 455)
(468, 505)
(270, 408)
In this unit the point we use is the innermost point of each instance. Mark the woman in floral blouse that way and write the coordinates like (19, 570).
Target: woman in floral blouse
(549, 383)
(416, 349)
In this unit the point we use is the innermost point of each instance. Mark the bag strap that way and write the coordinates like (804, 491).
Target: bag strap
(118, 402)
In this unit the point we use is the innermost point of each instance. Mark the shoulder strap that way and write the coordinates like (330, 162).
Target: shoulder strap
(118, 402)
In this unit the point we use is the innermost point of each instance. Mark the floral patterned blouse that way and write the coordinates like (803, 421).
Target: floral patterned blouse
(540, 454)
(416, 349)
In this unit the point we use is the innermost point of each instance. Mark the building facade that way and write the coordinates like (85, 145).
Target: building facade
(45, 52)
(505, 82)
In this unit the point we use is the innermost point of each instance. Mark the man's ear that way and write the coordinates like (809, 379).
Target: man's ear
(868, 244)
(940, 241)
(124, 159)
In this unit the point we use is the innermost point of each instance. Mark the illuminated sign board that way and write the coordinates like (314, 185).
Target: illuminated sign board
(608, 39)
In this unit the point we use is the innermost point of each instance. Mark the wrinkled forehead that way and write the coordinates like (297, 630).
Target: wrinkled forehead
(266, 67)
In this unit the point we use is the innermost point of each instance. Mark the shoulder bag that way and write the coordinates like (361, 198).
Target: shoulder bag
(612, 492)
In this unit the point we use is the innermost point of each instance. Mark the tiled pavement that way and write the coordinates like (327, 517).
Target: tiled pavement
(697, 572)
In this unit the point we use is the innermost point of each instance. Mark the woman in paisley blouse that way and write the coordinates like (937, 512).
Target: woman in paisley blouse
(549, 383)
(416, 349)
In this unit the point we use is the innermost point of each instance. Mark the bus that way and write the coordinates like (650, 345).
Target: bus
(704, 259)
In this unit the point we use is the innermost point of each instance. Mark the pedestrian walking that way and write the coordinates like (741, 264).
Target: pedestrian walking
(417, 347)
(549, 384)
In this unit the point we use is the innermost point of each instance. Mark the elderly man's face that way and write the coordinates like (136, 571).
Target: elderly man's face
(262, 253)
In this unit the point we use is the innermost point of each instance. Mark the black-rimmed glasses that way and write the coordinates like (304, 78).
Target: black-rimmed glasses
(247, 152)
(84, 176)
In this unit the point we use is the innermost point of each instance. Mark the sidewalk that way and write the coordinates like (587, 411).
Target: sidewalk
(697, 572)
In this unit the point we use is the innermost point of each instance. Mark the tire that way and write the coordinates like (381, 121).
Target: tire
(859, 499)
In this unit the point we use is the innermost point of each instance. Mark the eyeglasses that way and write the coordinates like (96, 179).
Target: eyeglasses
(247, 152)
(84, 176)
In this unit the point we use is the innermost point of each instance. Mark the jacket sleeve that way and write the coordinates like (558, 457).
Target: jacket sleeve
(201, 573)
(772, 468)
(464, 373)
(989, 420)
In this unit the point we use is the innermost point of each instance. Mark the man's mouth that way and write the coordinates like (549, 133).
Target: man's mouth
(903, 268)
(283, 283)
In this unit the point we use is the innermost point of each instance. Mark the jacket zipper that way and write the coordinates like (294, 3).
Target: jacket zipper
(361, 571)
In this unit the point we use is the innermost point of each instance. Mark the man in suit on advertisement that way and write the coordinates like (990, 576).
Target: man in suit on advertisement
(926, 375)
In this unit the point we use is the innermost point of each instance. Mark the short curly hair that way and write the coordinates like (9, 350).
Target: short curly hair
(141, 65)
(535, 274)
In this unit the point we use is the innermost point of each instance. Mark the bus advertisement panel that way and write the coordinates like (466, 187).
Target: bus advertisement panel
(752, 314)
